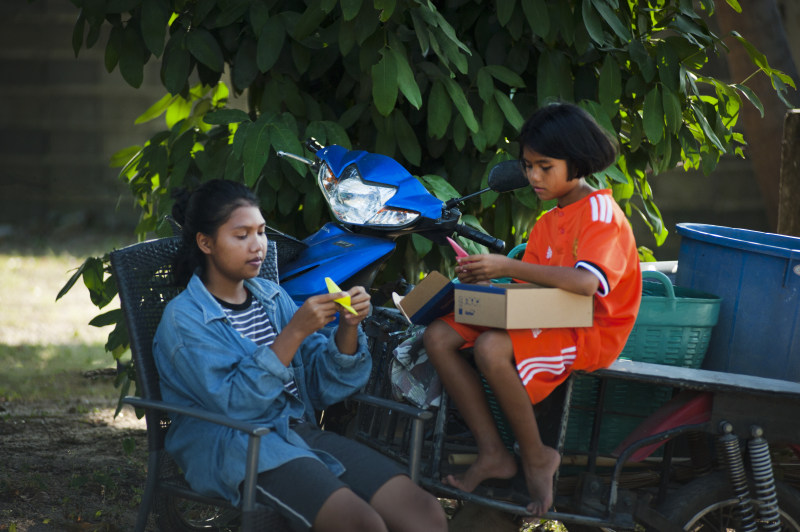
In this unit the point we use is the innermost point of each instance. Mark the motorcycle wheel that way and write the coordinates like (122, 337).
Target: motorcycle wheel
(176, 514)
(707, 504)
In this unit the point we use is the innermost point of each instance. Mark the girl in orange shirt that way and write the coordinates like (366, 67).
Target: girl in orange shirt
(584, 245)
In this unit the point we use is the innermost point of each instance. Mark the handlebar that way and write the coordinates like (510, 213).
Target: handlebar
(494, 244)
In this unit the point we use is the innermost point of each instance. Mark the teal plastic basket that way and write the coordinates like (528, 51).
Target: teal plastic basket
(674, 324)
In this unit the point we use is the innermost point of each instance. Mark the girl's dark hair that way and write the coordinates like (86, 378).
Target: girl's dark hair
(204, 211)
(565, 131)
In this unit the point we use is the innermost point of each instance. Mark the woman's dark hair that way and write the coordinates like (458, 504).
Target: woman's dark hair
(204, 211)
(565, 131)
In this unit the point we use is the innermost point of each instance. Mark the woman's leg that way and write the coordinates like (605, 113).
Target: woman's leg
(405, 507)
(310, 497)
(371, 476)
(494, 357)
(463, 385)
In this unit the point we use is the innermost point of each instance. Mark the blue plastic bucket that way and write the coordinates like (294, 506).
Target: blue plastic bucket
(757, 275)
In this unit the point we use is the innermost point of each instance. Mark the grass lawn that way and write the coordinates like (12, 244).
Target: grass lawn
(46, 346)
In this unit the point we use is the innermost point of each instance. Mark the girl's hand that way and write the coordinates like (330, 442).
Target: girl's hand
(482, 268)
(360, 301)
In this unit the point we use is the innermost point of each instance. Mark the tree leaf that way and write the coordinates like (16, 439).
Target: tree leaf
(485, 85)
(492, 122)
(510, 110)
(350, 8)
(440, 110)
(505, 75)
(439, 187)
(653, 116)
(592, 21)
(155, 14)
(256, 148)
(669, 66)
(751, 97)
(270, 43)
(706, 127)
(610, 17)
(131, 58)
(422, 245)
(646, 64)
(405, 79)
(505, 9)
(735, 5)
(406, 139)
(672, 110)
(205, 48)
(309, 21)
(462, 105)
(386, 8)
(123, 156)
(244, 68)
(537, 16)
(111, 317)
(111, 57)
(155, 110)
(176, 65)
(610, 86)
(384, 83)
(78, 31)
(225, 116)
(259, 14)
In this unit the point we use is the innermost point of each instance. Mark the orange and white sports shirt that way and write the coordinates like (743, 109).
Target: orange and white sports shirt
(593, 233)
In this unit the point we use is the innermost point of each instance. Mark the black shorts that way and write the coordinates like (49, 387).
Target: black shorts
(300, 487)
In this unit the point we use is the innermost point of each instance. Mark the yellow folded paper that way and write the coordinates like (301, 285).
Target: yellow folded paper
(343, 301)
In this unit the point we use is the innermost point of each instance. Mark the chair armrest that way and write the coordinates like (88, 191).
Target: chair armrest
(219, 419)
(388, 404)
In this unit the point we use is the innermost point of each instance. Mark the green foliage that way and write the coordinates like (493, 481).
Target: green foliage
(443, 87)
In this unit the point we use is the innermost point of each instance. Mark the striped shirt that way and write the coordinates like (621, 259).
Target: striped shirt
(251, 321)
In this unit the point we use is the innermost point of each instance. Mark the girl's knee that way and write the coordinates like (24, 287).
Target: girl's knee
(493, 351)
(439, 336)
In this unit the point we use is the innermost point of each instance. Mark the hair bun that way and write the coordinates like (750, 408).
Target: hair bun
(181, 197)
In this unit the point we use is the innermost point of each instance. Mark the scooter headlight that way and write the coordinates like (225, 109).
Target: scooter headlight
(355, 201)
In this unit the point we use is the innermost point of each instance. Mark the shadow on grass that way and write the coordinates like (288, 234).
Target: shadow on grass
(53, 372)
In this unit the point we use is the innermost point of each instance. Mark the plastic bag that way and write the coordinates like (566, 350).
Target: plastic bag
(413, 377)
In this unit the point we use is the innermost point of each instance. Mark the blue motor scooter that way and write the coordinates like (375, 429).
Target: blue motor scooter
(374, 201)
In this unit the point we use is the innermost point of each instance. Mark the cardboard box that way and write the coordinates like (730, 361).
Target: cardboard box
(431, 298)
(521, 306)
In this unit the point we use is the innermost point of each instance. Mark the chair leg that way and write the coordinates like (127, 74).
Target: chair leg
(149, 491)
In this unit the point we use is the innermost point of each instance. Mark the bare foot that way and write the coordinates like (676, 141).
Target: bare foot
(488, 465)
(539, 478)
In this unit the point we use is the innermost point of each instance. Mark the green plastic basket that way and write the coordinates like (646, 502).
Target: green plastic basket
(673, 328)
(674, 324)
(626, 405)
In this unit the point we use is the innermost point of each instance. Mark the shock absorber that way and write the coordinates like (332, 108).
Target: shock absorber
(731, 453)
(763, 481)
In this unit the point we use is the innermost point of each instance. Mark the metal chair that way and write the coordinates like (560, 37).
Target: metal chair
(146, 283)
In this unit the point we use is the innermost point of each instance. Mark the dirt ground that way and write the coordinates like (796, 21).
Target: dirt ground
(70, 466)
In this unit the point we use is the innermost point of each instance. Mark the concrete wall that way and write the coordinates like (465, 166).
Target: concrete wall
(61, 119)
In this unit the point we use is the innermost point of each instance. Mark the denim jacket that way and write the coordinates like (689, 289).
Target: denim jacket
(204, 362)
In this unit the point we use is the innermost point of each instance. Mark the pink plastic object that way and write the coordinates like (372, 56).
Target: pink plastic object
(458, 249)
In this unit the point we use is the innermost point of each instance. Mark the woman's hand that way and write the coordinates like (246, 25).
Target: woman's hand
(347, 333)
(482, 268)
(316, 312)
(360, 301)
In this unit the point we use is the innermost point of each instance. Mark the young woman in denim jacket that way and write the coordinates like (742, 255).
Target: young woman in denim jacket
(236, 344)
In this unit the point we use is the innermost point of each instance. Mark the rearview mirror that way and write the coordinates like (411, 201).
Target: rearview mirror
(507, 176)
